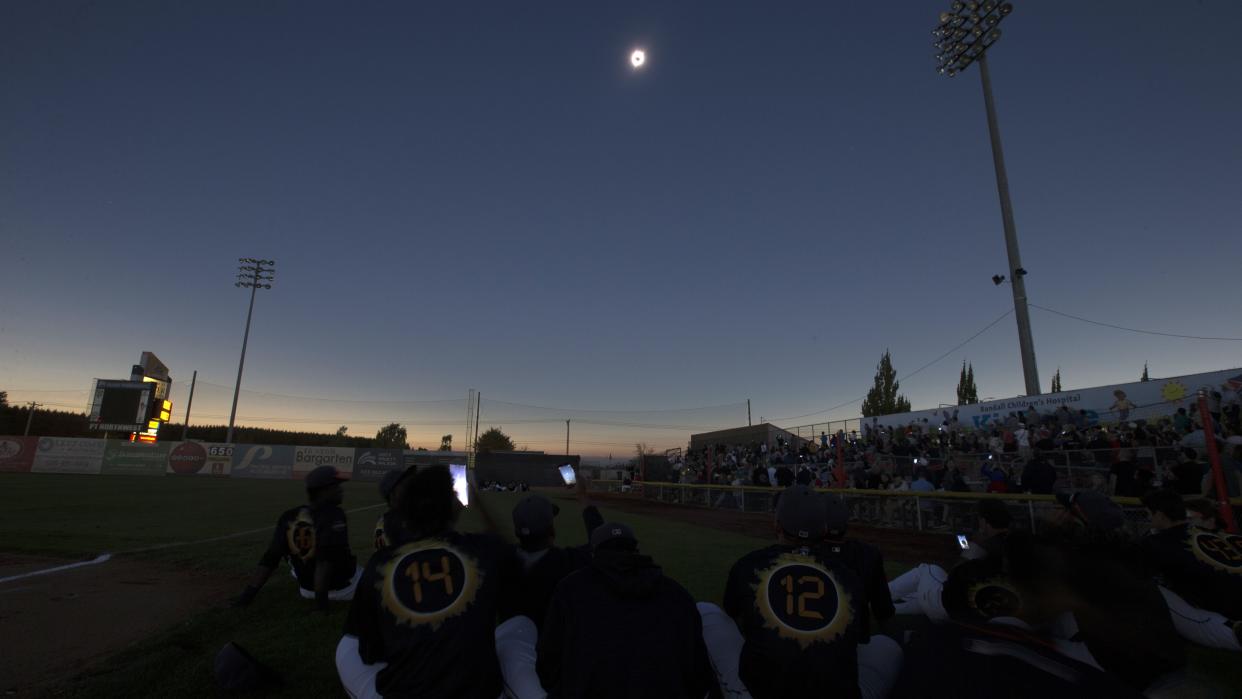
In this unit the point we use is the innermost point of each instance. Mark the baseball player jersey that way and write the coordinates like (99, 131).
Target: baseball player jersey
(389, 530)
(985, 661)
(978, 591)
(620, 628)
(428, 608)
(868, 564)
(1205, 568)
(801, 615)
(306, 535)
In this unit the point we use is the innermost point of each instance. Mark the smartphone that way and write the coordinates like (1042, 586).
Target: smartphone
(567, 474)
(961, 541)
(458, 471)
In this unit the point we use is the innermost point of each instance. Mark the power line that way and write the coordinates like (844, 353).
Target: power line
(1136, 330)
(955, 348)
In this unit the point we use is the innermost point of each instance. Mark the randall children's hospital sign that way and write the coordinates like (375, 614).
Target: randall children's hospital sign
(1141, 400)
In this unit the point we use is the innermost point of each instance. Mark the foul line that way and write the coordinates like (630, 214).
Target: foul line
(105, 557)
(101, 558)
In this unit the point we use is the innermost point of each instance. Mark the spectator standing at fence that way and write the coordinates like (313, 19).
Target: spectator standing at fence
(1231, 407)
(1122, 476)
(1038, 477)
(998, 479)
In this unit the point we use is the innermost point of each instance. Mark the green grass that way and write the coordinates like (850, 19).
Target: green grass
(79, 517)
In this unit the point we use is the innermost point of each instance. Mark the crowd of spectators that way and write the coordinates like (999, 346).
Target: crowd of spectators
(1028, 451)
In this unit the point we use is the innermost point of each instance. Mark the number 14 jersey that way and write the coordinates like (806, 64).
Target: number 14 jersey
(801, 617)
(428, 608)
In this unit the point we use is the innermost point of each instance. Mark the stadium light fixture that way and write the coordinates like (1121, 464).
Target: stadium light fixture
(963, 36)
(253, 274)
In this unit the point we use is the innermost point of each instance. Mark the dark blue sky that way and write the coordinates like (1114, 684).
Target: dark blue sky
(485, 195)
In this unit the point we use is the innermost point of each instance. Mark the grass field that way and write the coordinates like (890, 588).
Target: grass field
(76, 517)
(79, 517)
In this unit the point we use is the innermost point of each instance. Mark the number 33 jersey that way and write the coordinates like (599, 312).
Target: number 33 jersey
(801, 617)
(428, 608)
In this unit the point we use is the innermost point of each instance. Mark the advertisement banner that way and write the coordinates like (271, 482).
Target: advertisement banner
(1127, 402)
(219, 459)
(186, 459)
(372, 464)
(136, 459)
(261, 461)
(307, 458)
(68, 455)
(17, 454)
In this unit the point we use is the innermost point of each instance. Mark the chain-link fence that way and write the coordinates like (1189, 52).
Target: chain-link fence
(936, 511)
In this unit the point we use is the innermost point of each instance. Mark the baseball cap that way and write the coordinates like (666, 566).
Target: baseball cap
(837, 517)
(533, 514)
(324, 476)
(390, 480)
(612, 531)
(1093, 508)
(801, 513)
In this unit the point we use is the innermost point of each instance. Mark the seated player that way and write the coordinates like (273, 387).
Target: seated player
(799, 628)
(919, 590)
(1203, 514)
(314, 538)
(388, 528)
(1085, 563)
(423, 620)
(544, 565)
(865, 560)
(1001, 654)
(621, 628)
(1200, 573)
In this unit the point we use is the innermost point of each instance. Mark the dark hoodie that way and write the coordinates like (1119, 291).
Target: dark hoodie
(620, 628)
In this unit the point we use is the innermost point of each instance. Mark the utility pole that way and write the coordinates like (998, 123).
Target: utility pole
(30, 416)
(189, 404)
(566, 437)
(748, 423)
(252, 274)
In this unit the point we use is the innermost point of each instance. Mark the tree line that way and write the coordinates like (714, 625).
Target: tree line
(885, 398)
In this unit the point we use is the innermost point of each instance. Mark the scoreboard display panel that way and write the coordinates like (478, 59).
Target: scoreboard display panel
(121, 406)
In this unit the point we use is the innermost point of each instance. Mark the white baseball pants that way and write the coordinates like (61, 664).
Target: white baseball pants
(879, 661)
(919, 590)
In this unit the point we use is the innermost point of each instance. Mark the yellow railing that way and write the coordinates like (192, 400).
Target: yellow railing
(912, 508)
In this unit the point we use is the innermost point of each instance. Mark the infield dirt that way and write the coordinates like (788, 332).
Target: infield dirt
(58, 625)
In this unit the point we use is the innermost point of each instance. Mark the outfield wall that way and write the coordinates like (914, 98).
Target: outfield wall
(118, 457)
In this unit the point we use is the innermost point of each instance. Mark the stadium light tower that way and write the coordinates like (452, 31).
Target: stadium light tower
(254, 275)
(963, 36)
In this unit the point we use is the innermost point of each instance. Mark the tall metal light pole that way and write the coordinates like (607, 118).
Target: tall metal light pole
(963, 36)
(254, 275)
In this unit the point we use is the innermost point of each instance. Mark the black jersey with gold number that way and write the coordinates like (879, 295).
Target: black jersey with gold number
(428, 608)
(800, 613)
(1204, 567)
(389, 530)
(305, 535)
